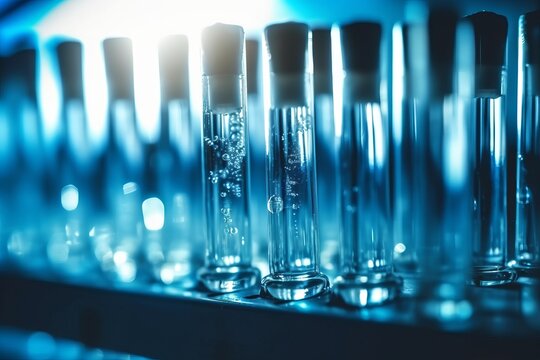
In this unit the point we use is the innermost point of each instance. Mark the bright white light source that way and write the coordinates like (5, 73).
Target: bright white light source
(129, 188)
(70, 197)
(153, 214)
(400, 248)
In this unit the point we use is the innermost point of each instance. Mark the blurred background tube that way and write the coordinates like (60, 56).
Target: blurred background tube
(171, 174)
(404, 137)
(489, 173)
(366, 272)
(72, 206)
(25, 174)
(257, 154)
(325, 148)
(117, 235)
(442, 68)
(527, 245)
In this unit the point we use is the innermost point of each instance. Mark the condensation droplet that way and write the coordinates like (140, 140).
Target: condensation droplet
(275, 204)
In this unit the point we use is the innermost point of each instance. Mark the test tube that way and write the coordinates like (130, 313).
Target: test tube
(68, 248)
(326, 149)
(117, 235)
(169, 209)
(225, 162)
(25, 242)
(442, 64)
(404, 130)
(293, 253)
(366, 276)
(257, 158)
(489, 109)
(527, 245)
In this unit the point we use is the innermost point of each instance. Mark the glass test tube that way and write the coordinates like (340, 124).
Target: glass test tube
(168, 210)
(259, 218)
(365, 276)
(25, 242)
(225, 162)
(404, 131)
(9, 155)
(117, 235)
(291, 183)
(68, 247)
(442, 62)
(326, 149)
(527, 246)
(489, 109)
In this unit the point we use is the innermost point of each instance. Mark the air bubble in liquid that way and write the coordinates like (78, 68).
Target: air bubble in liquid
(275, 204)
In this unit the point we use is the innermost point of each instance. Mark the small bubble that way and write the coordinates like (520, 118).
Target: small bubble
(233, 230)
(225, 157)
(223, 194)
(275, 204)
(226, 211)
(295, 206)
(214, 180)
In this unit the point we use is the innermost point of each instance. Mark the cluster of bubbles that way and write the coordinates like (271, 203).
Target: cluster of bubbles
(227, 220)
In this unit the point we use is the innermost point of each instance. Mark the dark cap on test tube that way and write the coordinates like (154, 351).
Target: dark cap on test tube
(530, 34)
(252, 65)
(322, 60)
(490, 31)
(287, 45)
(174, 67)
(442, 26)
(69, 55)
(361, 44)
(223, 47)
(118, 55)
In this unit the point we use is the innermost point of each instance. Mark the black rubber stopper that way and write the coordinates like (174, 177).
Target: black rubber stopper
(69, 55)
(287, 44)
(24, 66)
(490, 31)
(118, 55)
(442, 25)
(360, 46)
(530, 31)
(322, 60)
(252, 66)
(174, 67)
(223, 47)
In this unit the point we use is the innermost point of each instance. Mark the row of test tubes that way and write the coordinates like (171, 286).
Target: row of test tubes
(415, 205)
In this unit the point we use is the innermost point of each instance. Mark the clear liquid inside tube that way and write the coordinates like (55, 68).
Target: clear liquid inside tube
(292, 209)
(225, 187)
(528, 188)
(365, 203)
(226, 190)
(490, 225)
(291, 193)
